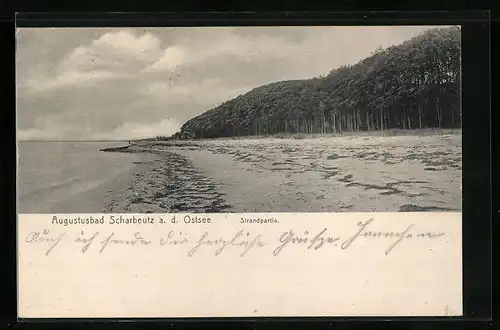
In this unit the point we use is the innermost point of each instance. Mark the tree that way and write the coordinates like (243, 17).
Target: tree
(412, 85)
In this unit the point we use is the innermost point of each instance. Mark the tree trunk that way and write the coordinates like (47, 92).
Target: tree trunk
(452, 116)
(403, 119)
(408, 115)
(381, 119)
(360, 121)
(438, 112)
(420, 116)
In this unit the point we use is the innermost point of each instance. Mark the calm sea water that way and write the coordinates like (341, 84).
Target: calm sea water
(50, 173)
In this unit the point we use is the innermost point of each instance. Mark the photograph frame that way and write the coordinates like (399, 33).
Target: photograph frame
(477, 161)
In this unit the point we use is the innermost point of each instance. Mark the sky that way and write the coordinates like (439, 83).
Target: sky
(128, 83)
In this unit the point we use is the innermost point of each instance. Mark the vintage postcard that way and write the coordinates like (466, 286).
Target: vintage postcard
(239, 171)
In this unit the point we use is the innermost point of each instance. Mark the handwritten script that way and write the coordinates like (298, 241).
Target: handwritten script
(243, 241)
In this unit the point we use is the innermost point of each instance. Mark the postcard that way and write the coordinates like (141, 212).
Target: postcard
(239, 171)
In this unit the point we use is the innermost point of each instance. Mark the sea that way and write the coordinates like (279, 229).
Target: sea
(61, 176)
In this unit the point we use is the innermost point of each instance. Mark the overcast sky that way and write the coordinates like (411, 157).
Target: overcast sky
(113, 83)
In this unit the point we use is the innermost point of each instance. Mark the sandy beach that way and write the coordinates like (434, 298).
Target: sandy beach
(325, 174)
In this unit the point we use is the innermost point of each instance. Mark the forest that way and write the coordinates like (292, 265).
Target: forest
(413, 85)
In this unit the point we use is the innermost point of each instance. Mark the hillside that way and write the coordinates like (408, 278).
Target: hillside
(412, 85)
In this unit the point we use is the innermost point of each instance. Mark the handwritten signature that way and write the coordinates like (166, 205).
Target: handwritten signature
(399, 236)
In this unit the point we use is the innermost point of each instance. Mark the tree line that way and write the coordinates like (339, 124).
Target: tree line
(413, 85)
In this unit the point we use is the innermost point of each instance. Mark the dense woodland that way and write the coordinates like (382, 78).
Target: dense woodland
(409, 86)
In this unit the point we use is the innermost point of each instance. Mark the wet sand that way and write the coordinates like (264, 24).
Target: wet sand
(167, 182)
(330, 174)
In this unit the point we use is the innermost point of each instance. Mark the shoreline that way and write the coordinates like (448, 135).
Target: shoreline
(69, 177)
(168, 184)
(91, 200)
(326, 174)
(125, 181)
(98, 198)
(298, 136)
(346, 174)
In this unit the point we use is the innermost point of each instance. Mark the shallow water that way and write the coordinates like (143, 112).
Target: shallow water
(51, 172)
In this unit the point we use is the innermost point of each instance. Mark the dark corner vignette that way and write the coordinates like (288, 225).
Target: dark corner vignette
(476, 153)
(8, 309)
(477, 199)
